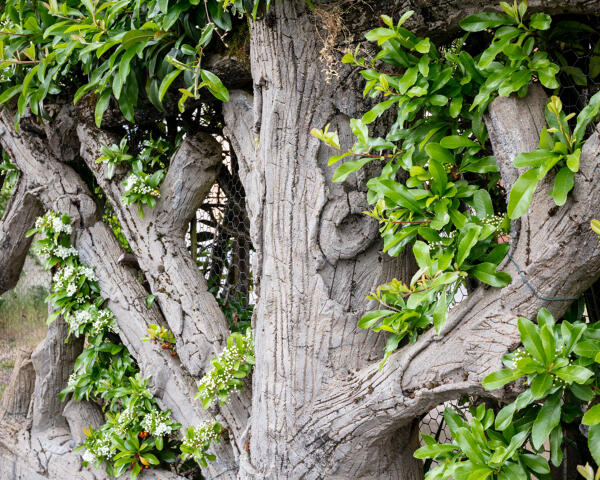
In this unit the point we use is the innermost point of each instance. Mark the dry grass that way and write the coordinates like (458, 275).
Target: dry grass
(22, 324)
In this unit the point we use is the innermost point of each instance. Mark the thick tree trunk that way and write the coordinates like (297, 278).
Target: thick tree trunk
(20, 215)
(317, 256)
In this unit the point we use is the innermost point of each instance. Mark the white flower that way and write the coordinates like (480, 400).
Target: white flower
(157, 423)
(63, 252)
(88, 457)
(71, 289)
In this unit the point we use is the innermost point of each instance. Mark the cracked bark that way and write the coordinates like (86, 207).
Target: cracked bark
(320, 406)
(22, 210)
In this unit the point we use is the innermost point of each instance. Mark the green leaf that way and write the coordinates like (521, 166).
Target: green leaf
(573, 160)
(378, 110)
(10, 92)
(573, 374)
(467, 443)
(485, 20)
(540, 21)
(439, 153)
(166, 83)
(547, 419)
(439, 178)
(457, 141)
(556, 439)
(467, 239)
(536, 463)
(486, 272)
(541, 385)
(407, 80)
(589, 113)
(536, 158)
(563, 183)
(531, 339)
(522, 193)
(150, 300)
(480, 473)
(133, 37)
(370, 318)
(214, 84)
(505, 416)
(434, 450)
(482, 202)
(592, 416)
(440, 313)
(101, 106)
(500, 378)
(343, 171)
(594, 443)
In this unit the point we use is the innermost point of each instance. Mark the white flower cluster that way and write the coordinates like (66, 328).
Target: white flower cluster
(157, 423)
(126, 417)
(105, 320)
(217, 380)
(99, 319)
(200, 436)
(136, 184)
(68, 278)
(73, 378)
(99, 448)
(64, 252)
(53, 221)
(493, 220)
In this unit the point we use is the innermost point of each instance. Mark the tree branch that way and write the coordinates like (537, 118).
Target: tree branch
(19, 217)
(158, 243)
(193, 171)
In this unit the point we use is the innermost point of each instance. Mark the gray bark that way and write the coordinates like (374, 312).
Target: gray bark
(320, 407)
(17, 395)
(19, 217)
(58, 187)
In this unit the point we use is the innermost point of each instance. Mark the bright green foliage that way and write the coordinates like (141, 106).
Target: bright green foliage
(595, 224)
(8, 169)
(8, 178)
(438, 189)
(104, 371)
(130, 50)
(440, 141)
(157, 333)
(197, 441)
(560, 149)
(234, 364)
(147, 170)
(561, 363)
(480, 451)
(511, 60)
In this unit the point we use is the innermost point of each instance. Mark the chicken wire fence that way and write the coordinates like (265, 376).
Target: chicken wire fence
(219, 240)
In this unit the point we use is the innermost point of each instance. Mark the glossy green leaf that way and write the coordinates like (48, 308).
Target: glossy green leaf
(563, 184)
(483, 21)
(522, 193)
(547, 419)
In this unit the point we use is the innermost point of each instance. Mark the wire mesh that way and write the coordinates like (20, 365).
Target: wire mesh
(220, 242)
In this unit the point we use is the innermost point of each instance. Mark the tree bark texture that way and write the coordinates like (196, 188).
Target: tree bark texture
(319, 407)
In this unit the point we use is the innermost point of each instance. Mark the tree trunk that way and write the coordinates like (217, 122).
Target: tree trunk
(17, 396)
(317, 256)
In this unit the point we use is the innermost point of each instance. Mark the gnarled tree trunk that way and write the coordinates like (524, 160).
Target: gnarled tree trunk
(319, 406)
